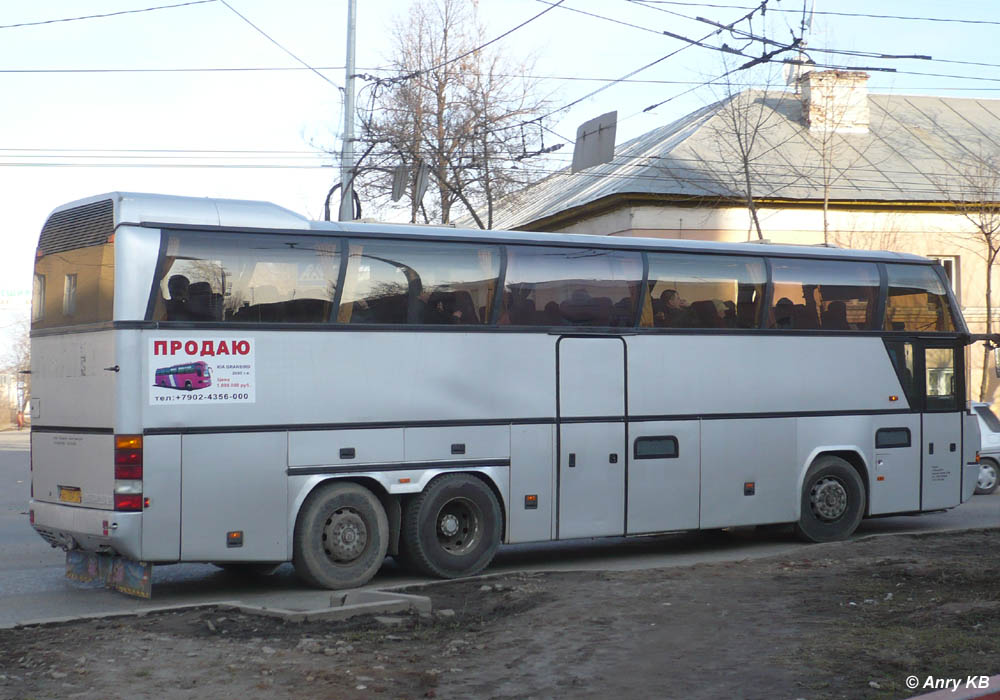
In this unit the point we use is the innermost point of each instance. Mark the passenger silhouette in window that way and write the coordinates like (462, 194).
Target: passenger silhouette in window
(783, 313)
(178, 287)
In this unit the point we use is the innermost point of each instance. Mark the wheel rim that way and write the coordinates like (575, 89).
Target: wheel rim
(345, 535)
(459, 526)
(987, 476)
(828, 499)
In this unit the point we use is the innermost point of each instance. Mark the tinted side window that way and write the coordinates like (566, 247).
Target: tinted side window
(830, 295)
(886, 438)
(570, 287)
(917, 300)
(419, 282)
(941, 382)
(704, 291)
(247, 278)
(901, 354)
(655, 447)
(74, 286)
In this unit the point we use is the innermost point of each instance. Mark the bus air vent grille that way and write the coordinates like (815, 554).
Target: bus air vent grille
(80, 227)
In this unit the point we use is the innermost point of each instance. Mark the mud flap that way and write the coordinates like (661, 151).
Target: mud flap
(134, 578)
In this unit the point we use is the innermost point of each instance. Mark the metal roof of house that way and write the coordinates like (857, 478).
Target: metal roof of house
(916, 149)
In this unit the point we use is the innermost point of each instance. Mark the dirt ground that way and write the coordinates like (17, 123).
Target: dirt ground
(846, 620)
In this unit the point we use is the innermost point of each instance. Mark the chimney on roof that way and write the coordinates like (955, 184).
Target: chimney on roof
(835, 101)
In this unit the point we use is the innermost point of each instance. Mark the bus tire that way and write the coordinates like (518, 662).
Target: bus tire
(187, 385)
(341, 536)
(452, 528)
(833, 501)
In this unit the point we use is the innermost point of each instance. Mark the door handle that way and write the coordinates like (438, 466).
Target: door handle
(613, 458)
(572, 459)
(952, 447)
(930, 448)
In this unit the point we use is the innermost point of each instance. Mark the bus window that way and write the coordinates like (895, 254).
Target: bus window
(830, 295)
(248, 278)
(918, 300)
(570, 287)
(419, 282)
(75, 268)
(704, 291)
(942, 393)
(901, 354)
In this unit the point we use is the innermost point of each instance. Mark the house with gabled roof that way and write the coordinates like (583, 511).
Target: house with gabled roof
(827, 164)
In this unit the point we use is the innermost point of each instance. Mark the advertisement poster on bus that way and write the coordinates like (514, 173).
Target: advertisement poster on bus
(201, 371)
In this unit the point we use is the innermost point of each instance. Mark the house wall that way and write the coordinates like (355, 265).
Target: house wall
(923, 233)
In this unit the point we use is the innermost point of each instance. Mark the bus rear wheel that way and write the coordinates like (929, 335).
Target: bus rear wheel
(452, 528)
(341, 536)
(187, 385)
(833, 501)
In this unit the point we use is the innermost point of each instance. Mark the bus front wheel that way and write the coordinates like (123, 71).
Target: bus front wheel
(452, 528)
(341, 536)
(833, 501)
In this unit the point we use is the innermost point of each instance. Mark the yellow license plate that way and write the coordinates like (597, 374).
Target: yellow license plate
(69, 494)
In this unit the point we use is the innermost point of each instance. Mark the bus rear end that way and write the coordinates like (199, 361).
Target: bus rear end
(86, 481)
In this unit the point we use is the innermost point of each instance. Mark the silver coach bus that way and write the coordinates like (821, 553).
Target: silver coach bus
(429, 393)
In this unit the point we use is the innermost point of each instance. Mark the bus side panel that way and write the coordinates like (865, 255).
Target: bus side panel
(532, 473)
(341, 448)
(894, 475)
(685, 375)
(736, 452)
(370, 377)
(161, 484)
(942, 454)
(234, 482)
(663, 491)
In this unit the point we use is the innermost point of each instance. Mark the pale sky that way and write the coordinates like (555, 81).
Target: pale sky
(67, 135)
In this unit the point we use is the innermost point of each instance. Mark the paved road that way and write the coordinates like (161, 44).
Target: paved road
(33, 587)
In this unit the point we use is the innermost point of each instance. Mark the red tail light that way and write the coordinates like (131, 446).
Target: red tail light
(128, 472)
(128, 501)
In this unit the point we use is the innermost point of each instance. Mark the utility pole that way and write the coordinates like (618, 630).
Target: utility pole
(347, 149)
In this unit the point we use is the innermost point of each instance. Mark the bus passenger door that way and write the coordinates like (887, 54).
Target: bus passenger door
(941, 477)
(592, 451)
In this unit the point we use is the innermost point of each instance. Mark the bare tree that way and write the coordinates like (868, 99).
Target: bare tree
(976, 196)
(746, 133)
(468, 115)
(17, 362)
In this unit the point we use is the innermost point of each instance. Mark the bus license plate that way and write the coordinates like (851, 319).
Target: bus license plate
(69, 494)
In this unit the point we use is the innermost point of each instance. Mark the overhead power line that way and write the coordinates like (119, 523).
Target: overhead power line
(275, 42)
(106, 14)
(818, 12)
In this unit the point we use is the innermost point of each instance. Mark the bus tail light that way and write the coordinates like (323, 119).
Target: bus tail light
(129, 502)
(128, 473)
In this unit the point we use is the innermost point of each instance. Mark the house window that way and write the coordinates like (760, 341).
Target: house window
(950, 265)
(38, 298)
(69, 295)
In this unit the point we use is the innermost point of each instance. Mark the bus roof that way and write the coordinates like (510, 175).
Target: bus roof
(169, 210)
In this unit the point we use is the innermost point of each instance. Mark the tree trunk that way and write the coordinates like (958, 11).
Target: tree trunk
(990, 257)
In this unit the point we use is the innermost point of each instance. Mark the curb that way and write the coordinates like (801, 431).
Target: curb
(342, 606)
